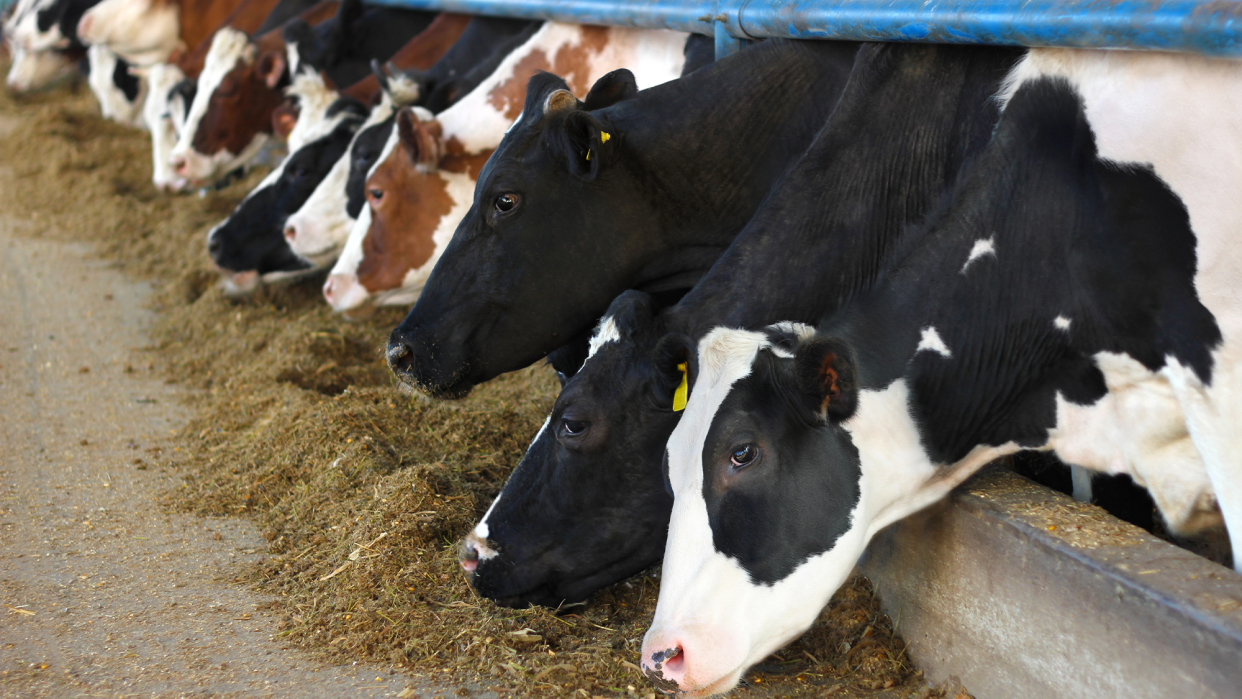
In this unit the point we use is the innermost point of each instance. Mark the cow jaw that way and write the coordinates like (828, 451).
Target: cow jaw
(32, 70)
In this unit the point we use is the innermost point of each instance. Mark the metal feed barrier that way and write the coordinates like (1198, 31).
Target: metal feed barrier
(1210, 27)
(1015, 589)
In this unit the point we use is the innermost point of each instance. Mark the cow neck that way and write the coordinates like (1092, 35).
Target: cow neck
(706, 149)
(201, 18)
(908, 121)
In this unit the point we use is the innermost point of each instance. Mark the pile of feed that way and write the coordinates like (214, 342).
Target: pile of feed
(362, 490)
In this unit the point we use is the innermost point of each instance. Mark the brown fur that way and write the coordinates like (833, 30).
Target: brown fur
(404, 219)
(571, 63)
(421, 52)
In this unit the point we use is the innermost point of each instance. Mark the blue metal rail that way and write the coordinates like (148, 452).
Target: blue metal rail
(1210, 27)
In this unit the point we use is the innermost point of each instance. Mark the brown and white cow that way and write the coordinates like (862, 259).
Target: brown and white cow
(424, 182)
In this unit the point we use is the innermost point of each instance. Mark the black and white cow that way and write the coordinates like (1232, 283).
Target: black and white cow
(672, 176)
(587, 505)
(42, 39)
(250, 242)
(1058, 303)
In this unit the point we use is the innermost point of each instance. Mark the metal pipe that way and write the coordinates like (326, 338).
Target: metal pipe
(1211, 27)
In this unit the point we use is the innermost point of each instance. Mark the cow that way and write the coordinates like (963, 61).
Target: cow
(121, 94)
(42, 41)
(421, 191)
(146, 32)
(1074, 295)
(325, 127)
(317, 232)
(241, 85)
(586, 506)
(675, 180)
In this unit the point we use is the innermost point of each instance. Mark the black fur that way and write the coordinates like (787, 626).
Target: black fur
(65, 15)
(252, 238)
(363, 154)
(344, 46)
(124, 81)
(685, 166)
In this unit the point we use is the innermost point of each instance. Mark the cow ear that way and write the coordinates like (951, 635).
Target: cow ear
(824, 368)
(271, 68)
(610, 89)
(420, 139)
(586, 144)
(284, 118)
(671, 362)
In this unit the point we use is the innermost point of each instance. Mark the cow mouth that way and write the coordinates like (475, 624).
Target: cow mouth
(561, 592)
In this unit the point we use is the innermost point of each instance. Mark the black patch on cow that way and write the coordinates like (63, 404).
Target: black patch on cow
(124, 81)
(186, 89)
(795, 499)
(252, 238)
(346, 105)
(65, 15)
(363, 154)
(344, 46)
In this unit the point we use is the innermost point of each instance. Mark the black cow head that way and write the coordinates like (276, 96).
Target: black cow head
(587, 506)
(252, 238)
(555, 200)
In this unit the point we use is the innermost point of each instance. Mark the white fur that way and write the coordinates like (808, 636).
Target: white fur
(32, 70)
(1179, 114)
(163, 119)
(229, 47)
(931, 341)
(1061, 323)
(140, 31)
(323, 224)
(605, 333)
(112, 101)
(983, 246)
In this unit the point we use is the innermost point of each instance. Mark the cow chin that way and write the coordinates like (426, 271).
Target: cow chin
(498, 580)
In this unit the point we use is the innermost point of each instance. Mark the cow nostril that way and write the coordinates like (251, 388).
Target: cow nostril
(329, 289)
(665, 668)
(213, 245)
(469, 557)
(291, 232)
(400, 356)
(179, 164)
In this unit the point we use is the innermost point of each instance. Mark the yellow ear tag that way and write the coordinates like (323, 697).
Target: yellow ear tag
(682, 394)
(604, 136)
(588, 153)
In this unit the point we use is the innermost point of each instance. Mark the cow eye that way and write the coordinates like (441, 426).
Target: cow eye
(505, 202)
(376, 194)
(574, 428)
(743, 456)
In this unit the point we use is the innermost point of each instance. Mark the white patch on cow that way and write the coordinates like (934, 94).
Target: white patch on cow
(605, 332)
(708, 604)
(21, 29)
(113, 103)
(983, 246)
(314, 97)
(32, 70)
(228, 48)
(1178, 114)
(143, 32)
(931, 341)
(802, 331)
(1061, 323)
(161, 117)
